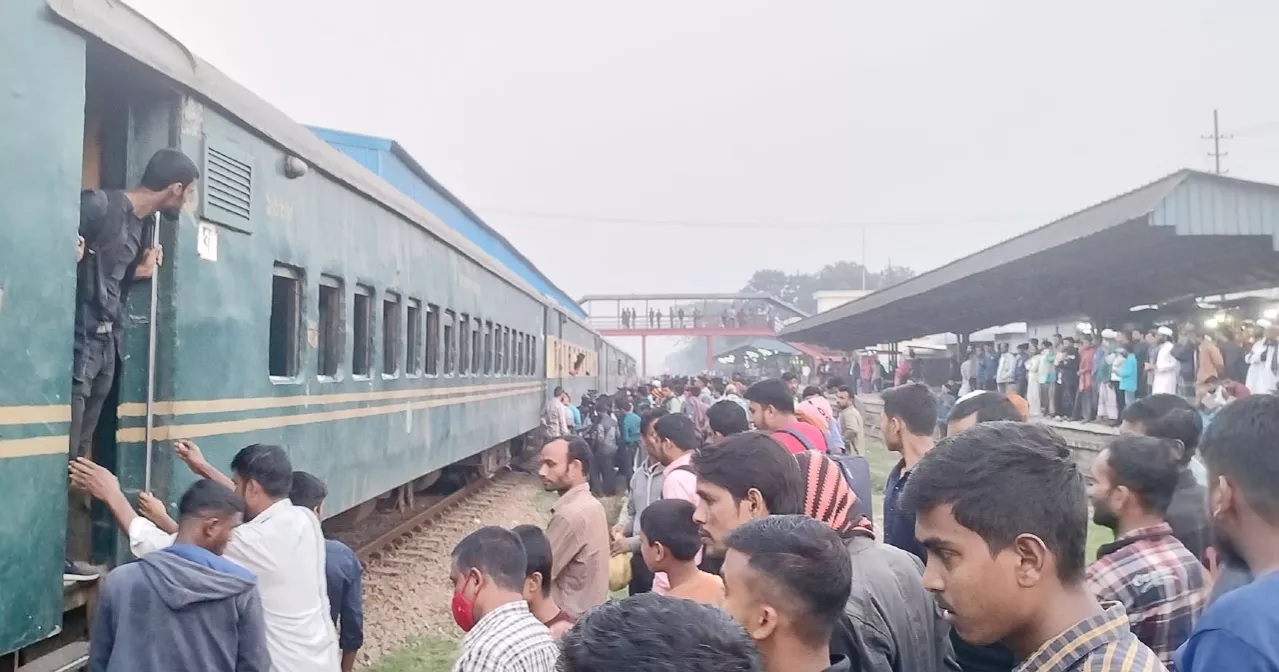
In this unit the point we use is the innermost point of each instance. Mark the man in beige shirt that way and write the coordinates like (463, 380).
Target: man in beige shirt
(850, 420)
(578, 530)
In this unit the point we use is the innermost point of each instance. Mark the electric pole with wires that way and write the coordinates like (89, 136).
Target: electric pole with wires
(1216, 139)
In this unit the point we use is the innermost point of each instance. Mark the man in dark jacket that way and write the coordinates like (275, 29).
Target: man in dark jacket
(185, 607)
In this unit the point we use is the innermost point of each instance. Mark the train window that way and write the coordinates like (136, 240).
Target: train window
(518, 339)
(413, 342)
(286, 319)
(532, 355)
(477, 346)
(330, 327)
(362, 331)
(391, 334)
(450, 345)
(432, 339)
(508, 361)
(499, 350)
(466, 346)
(488, 347)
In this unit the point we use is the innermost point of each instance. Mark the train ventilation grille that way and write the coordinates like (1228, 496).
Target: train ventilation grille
(228, 187)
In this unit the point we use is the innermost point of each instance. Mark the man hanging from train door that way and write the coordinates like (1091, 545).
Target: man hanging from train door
(115, 230)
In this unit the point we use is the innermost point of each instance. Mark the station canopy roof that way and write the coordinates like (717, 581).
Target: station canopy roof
(760, 345)
(1186, 235)
(773, 346)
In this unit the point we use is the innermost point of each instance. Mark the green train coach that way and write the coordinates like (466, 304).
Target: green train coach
(303, 301)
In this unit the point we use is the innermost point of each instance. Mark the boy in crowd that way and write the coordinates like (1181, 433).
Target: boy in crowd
(537, 583)
(1003, 513)
(670, 545)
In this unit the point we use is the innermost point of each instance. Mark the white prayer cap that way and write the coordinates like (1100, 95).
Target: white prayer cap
(1165, 331)
(1108, 333)
(1264, 323)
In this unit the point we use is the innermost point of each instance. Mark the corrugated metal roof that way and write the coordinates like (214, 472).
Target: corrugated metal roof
(1189, 233)
(370, 151)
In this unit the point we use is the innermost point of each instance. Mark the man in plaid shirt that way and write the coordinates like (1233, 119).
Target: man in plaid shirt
(1161, 584)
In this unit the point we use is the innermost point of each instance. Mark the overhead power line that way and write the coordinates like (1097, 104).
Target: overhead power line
(740, 224)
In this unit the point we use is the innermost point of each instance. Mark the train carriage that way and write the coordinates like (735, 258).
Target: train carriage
(303, 301)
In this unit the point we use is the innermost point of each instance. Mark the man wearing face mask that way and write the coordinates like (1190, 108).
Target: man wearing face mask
(187, 607)
(1160, 583)
(502, 635)
(116, 238)
(1237, 631)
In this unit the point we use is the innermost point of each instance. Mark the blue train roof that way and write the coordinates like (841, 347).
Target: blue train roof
(388, 159)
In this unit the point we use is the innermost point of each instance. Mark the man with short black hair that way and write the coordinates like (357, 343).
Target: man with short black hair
(1237, 631)
(649, 633)
(283, 545)
(1168, 416)
(342, 571)
(980, 406)
(726, 419)
(186, 607)
(906, 423)
(502, 635)
(1160, 583)
(116, 248)
(786, 581)
(537, 580)
(744, 477)
(578, 529)
(792, 385)
(772, 406)
(646, 488)
(1003, 513)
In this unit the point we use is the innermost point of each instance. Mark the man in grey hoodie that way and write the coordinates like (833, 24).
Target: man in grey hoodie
(184, 607)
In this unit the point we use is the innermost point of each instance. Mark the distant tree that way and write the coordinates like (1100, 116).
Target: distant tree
(797, 289)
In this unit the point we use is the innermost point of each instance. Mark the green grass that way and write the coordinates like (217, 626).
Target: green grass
(429, 654)
(882, 461)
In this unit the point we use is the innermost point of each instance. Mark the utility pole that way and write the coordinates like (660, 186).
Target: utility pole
(1216, 138)
(863, 257)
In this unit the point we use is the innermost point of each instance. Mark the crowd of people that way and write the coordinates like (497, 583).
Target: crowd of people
(980, 564)
(736, 315)
(1093, 378)
(747, 542)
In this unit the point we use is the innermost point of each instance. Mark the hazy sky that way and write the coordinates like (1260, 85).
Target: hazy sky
(752, 134)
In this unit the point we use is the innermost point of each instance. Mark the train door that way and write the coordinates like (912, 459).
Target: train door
(129, 115)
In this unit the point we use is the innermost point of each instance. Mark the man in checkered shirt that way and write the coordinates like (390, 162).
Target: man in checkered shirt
(502, 635)
(1161, 584)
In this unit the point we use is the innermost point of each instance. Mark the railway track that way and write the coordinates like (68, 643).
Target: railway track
(399, 534)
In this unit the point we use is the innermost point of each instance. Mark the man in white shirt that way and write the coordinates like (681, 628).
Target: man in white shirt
(280, 543)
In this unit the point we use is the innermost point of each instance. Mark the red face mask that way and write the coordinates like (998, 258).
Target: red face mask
(464, 609)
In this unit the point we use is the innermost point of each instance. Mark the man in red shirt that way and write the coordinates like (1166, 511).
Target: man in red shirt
(773, 410)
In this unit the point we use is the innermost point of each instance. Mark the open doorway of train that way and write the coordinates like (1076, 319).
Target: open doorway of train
(129, 113)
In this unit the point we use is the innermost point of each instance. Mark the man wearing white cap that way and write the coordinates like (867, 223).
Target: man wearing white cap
(1107, 400)
(1164, 364)
(1263, 360)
